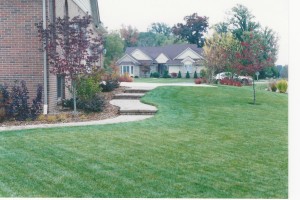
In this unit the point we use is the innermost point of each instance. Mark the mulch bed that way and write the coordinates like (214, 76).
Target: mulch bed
(65, 116)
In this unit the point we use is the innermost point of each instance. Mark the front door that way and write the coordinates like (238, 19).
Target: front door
(161, 68)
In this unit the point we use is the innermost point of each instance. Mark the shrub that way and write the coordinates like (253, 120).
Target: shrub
(4, 101)
(166, 74)
(174, 75)
(125, 78)
(187, 75)
(273, 86)
(151, 75)
(227, 81)
(36, 107)
(136, 76)
(198, 81)
(18, 108)
(282, 86)
(155, 75)
(179, 75)
(95, 104)
(87, 88)
(108, 86)
(203, 73)
(195, 75)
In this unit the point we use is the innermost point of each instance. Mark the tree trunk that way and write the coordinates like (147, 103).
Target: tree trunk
(74, 96)
(254, 94)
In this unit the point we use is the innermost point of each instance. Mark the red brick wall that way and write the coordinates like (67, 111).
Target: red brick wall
(20, 57)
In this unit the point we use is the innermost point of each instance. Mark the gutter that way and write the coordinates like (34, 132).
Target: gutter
(45, 109)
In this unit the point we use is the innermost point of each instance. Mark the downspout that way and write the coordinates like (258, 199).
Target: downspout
(45, 110)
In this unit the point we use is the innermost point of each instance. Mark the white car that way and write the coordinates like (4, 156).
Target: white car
(246, 80)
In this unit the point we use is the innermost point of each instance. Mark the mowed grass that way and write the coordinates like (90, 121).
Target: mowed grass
(203, 143)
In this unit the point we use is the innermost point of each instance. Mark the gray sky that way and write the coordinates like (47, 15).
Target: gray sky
(141, 13)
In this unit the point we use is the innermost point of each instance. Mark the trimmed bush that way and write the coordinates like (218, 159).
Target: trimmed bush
(174, 75)
(155, 75)
(227, 81)
(282, 86)
(166, 74)
(195, 75)
(179, 74)
(198, 81)
(187, 75)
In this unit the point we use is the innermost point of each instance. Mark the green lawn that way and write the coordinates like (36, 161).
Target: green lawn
(203, 143)
(164, 80)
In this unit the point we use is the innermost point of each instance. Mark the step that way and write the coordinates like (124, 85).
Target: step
(133, 107)
(132, 90)
(129, 96)
(137, 112)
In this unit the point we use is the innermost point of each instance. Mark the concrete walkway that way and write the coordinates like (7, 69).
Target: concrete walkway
(119, 119)
(130, 109)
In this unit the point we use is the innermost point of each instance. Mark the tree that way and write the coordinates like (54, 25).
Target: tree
(72, 49)
(241, 21)
(147, 39)
(255, 56)
(193, 30)
(161, 28)
(114, 46)
(220, 53)
(129, 35)
(221, 27)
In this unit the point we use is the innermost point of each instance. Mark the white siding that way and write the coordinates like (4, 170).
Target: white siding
(85, 5)
(139, 55)
(188, 53)
(161, 58)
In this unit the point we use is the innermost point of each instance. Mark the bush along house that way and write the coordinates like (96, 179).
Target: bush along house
(21, 57)
(171, 59)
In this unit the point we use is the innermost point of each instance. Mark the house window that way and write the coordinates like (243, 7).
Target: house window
(60, 87)
(127, 69)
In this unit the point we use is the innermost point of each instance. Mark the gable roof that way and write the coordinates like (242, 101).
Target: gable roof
(171, 51)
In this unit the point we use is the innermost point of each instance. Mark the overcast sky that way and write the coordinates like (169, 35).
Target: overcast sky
(141, 13)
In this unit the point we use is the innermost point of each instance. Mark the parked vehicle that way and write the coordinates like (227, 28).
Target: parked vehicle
(245, 80)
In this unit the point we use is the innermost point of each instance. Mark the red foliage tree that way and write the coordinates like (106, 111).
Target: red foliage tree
(72, 48)
(193, 30)
(130, 36)
(257, 53)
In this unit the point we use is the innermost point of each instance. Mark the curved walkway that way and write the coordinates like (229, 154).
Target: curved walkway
(124, 104)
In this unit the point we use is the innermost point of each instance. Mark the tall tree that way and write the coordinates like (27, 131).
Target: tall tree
(193, 30)
(221, 27)
(129, 35)
(241, 20)
(160, 28)
(114, 46)
(73, 49)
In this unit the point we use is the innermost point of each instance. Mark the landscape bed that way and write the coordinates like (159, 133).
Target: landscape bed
(202, 143)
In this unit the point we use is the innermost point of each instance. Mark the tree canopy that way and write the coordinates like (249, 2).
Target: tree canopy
(193, 30)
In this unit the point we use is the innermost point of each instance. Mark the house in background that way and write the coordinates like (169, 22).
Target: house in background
(20, 55)
(141, 61)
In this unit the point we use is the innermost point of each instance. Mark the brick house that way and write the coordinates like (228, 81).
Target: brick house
(20, 55)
